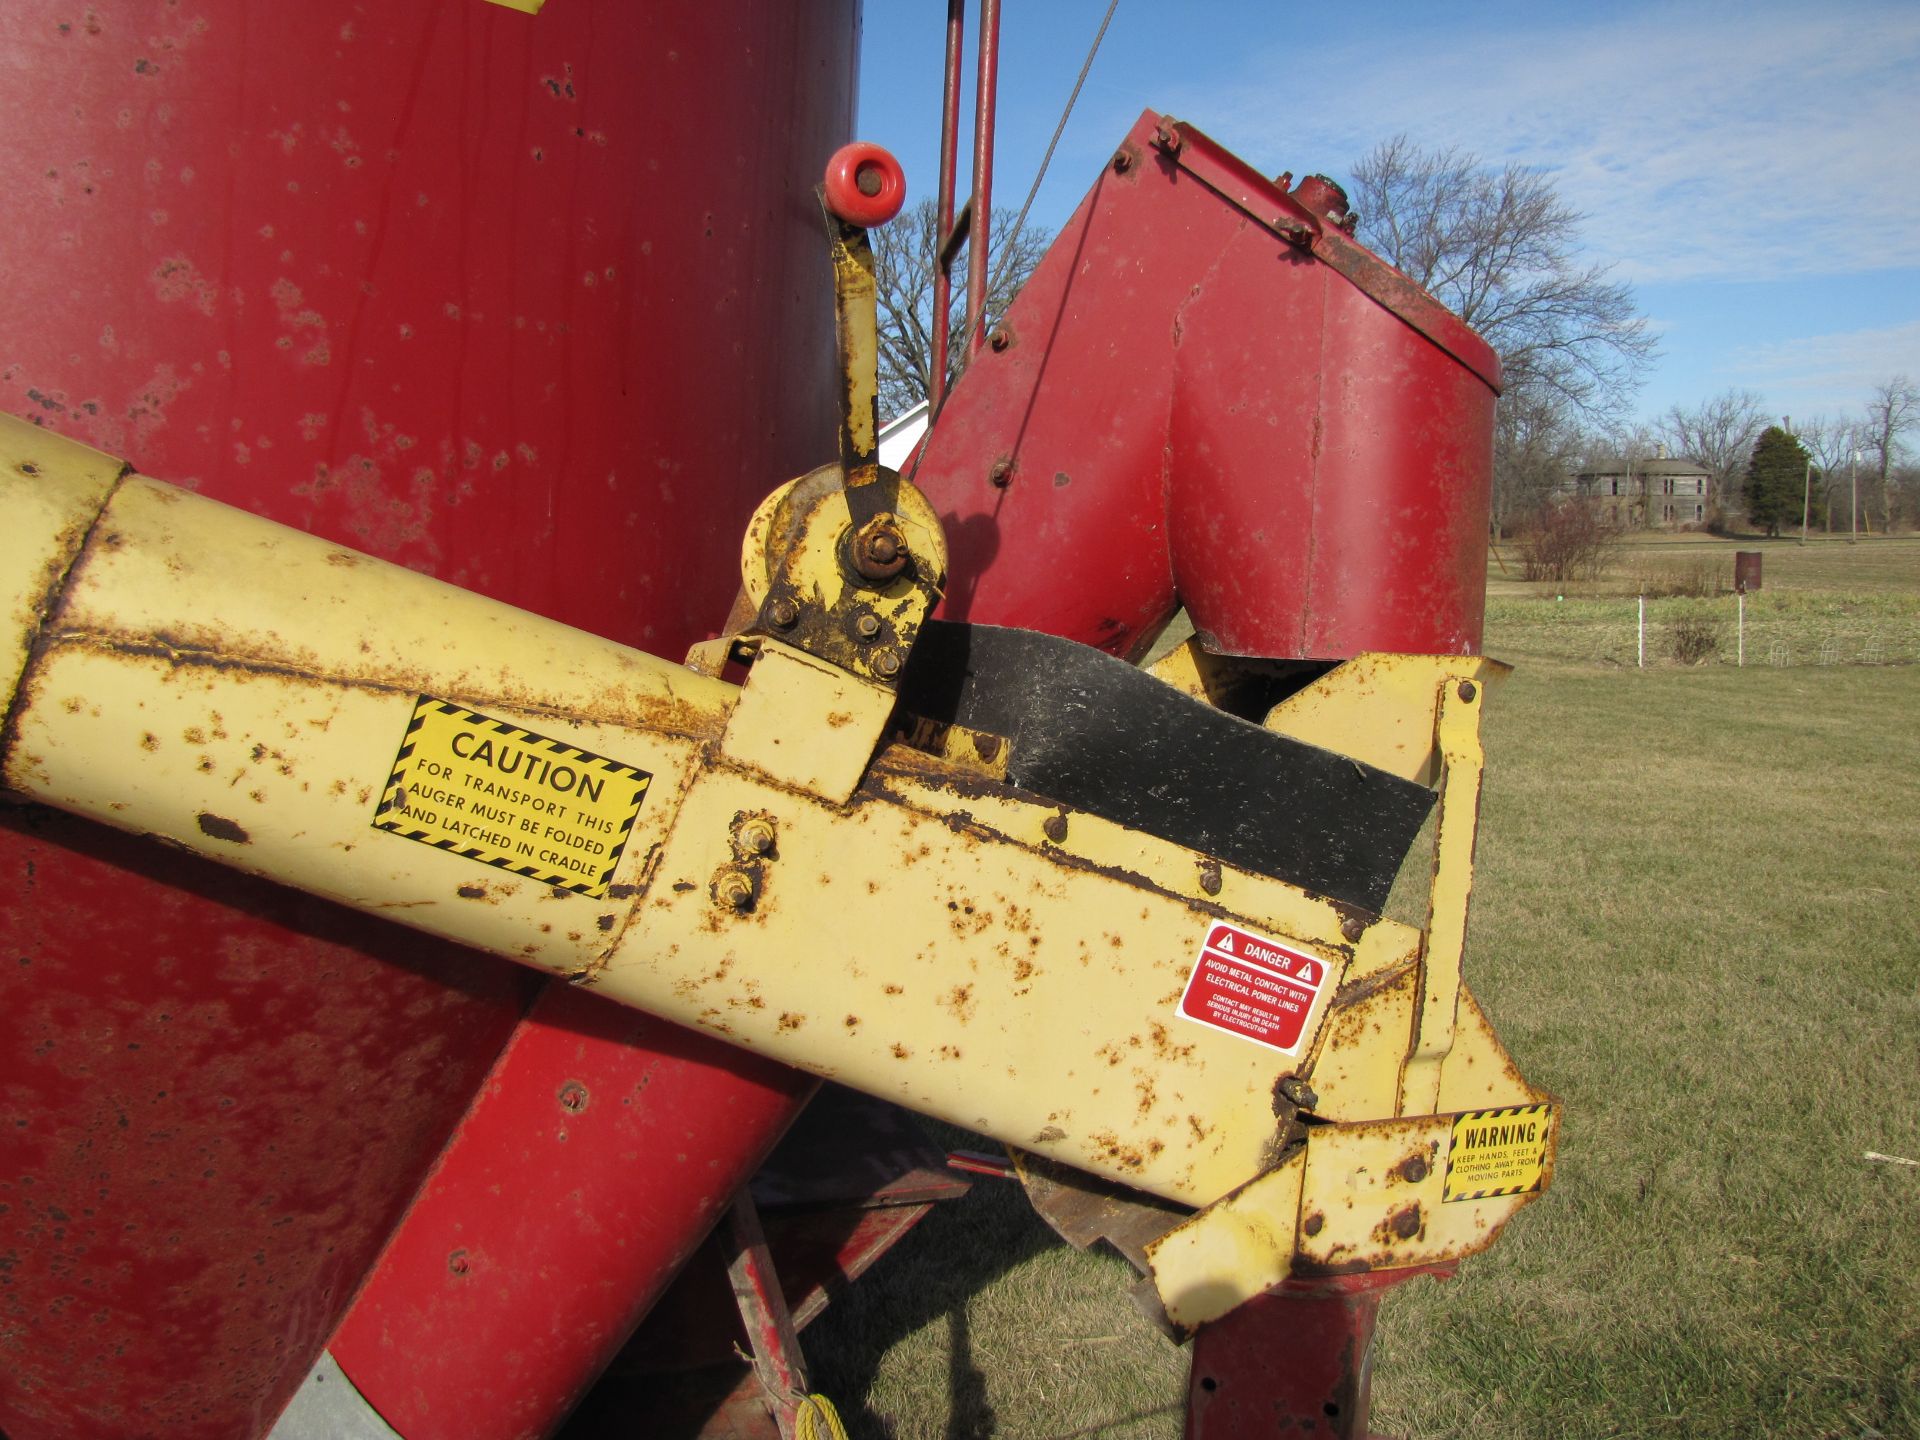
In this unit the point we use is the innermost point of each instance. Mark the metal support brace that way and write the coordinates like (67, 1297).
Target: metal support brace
(1457, 741)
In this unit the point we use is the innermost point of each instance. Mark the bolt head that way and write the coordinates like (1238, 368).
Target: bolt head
(1468, 691)
(756, 837)
(1001, 337)
(735, 890)
(1001, 474)
(866, 626)
(887, 663)
(784, 612)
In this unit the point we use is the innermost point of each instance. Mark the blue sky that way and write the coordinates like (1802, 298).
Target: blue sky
(1752, 169)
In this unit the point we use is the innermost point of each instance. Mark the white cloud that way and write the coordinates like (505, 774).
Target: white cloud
(1739, 143)
(1828, 372)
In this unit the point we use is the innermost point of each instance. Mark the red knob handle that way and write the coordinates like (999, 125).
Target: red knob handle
(865, 185)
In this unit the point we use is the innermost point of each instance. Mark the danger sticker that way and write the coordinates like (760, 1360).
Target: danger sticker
(1249, 985)
(494, 792)
(1498, 1152)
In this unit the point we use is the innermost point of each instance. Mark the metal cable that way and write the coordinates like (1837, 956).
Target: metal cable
(998, 274)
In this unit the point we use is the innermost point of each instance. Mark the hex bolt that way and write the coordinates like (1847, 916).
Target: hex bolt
(573, 1097)
(734, 890)
(1001, 474)
(1210, 876)
(1122, 163)
(1000, 337)
(1353, 927)
(756, 837)
(1467, 691)
(866, 626)
(783, 612)
(887, 663)
(1055, 827)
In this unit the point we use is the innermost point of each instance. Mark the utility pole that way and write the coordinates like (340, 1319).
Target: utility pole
(1853, 484)
(1806, 490)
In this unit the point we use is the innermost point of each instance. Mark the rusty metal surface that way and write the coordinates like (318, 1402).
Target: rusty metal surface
(425, 279)
(585, 1176)
(1084, 1210)
(1215, 417)
(1295, 1362)
(186, 1203)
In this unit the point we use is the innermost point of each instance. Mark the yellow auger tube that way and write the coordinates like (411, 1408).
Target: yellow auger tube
(178, 668)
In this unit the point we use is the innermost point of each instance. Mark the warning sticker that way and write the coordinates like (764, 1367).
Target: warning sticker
(1498, 1152)
(1247, 984)
(494, 792)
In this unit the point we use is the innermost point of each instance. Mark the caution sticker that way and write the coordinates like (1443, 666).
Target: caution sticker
(494, 792)
(1498, 1152)
(1254, 986)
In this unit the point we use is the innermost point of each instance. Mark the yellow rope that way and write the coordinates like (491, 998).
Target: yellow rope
(816, 1419)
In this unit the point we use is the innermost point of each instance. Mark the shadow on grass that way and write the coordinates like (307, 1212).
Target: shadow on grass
(929, 1278)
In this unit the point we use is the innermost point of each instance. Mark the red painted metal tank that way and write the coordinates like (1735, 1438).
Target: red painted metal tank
(1209, 394)
(533, 303)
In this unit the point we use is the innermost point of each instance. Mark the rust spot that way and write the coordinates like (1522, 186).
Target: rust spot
(472, 892)
(1313, 1224)
(791, 1021)
(606, 922)
(221, 828)
(1403, 1223)
(1413, 1169)
(573, 1097)
(149, 741)
(891, 989)
(900, 1052)
(852, 1022)
(1051, 1133)
(839, 719)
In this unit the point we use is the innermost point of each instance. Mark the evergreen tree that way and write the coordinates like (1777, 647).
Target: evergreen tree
(1777, 480)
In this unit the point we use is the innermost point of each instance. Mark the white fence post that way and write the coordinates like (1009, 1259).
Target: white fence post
(1643, 632)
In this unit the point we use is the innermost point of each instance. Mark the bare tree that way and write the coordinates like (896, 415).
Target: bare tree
(1832, 442)
(1893, 410)
(1499, 246)
(1718, 436)
(1535, 449)
(903, 254)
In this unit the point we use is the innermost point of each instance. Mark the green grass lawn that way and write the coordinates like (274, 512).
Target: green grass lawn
(1697, 922)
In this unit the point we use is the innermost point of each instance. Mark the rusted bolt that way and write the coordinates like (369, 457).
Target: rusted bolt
(1406, 1223)
(1294, 1091)
(1055, 827)
(1122, 163)
(866, 626)
(1000, 337)
(783, 612)
(1210, 876)
(879, 550)
(1467, 691)
(573, 1097)
(457, 1262)
(887, 663)
(1168, 138)
(1353, 927)
(756, 837)
(1413, 1169)
(734, 889)
(1001, 474)
(1313, 1224)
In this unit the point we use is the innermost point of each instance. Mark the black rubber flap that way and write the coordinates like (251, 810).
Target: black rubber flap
(1096, 734)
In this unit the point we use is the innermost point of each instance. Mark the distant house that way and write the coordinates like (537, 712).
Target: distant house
(1639, 493)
